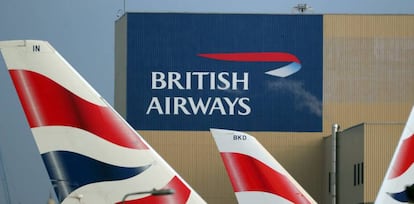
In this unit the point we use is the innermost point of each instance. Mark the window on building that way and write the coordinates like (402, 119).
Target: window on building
(329, 182)
(359, 174)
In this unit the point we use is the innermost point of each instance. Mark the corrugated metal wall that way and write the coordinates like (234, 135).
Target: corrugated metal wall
(368, 72)
(368, 66)
(120, 65)
(380, 143)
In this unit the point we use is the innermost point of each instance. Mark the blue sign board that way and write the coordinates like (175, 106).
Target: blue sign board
(249, 72)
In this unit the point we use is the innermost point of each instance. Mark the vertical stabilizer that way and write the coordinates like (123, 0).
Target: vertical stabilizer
(255, 174)
(400, 173)
(91, 154)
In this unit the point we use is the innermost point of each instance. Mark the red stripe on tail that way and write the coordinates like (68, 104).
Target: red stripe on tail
(404, 158)
(47, 103)
(249, 174)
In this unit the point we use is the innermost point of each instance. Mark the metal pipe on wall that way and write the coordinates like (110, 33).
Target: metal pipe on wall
(335, 129)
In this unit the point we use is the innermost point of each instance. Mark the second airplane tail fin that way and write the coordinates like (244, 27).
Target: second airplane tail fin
(255, 174)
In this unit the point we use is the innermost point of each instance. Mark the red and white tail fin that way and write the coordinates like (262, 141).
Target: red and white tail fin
(255, 174)
(400, 173)
(91, 154)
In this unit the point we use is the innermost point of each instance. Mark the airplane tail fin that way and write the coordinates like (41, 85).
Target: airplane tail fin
(400, 173)
(91, 154)
(255, 174)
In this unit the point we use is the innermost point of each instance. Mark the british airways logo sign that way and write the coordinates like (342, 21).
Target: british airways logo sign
(215, 81)
(181, 77)
(284, 71)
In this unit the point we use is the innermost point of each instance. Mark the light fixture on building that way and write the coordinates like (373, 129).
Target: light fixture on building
(302, 8)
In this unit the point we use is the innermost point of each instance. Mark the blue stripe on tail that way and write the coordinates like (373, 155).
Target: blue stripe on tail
(69, 171)
(400, 196)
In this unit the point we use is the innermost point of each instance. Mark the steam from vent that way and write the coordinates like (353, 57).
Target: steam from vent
(302, 98)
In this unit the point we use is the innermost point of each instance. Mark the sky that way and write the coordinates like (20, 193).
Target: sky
(83, 32)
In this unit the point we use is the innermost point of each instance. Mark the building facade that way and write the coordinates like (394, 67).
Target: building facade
(366, 78)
